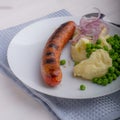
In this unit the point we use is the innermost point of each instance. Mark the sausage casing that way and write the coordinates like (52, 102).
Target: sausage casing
(50, 66)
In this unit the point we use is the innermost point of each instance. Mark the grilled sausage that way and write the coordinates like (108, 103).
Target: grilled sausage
(50, 66)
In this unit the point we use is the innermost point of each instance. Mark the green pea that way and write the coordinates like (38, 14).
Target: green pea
(116, 36)
(111, 51)
(93, 50)
(88, 50)
(99, 82)
(115, 64)
(111, 69)
(82, 87)
(116, 54)
(118, 51)
(62, 62)
(114, 76)
(108, 75)
(111, 42)
(92, 45)
(104, 82)
(104, 77)
(98, 41)
(114, 57)
(117, 72)
(118, 60)
(118, 68)
(88, 45)
(94, 80)
(105, 48)
(115, 46)
(110, 79)
(98, 46)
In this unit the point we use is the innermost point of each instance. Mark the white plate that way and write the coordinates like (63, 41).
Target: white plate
(24, 57)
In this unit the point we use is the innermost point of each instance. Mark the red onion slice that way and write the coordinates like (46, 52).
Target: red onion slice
(90, 27)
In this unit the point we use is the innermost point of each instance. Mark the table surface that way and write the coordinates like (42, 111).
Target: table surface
(15, 104)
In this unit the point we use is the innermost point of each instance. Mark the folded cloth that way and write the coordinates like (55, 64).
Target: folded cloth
(102, 108)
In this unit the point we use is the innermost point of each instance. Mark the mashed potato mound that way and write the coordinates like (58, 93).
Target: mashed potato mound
(95, 66)
(103, 36)
(78, 51)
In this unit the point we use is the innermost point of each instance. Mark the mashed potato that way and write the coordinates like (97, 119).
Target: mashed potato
(78, 51)
(103, 36)
(95, 66)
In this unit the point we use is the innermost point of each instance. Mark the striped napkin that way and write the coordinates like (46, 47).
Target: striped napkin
(102, 108)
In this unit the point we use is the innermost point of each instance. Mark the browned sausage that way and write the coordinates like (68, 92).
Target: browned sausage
(50, 67)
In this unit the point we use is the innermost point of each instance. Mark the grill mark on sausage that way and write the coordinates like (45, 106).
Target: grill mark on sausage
(50, 54)
(50, 61)
(52, 45)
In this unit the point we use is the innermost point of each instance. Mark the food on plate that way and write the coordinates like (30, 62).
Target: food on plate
(62, 62)
(50, 65)
(82, 87)
(95, 52)
(95, 66)
(78, 50)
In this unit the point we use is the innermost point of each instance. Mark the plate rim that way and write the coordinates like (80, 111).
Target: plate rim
(66, 17)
